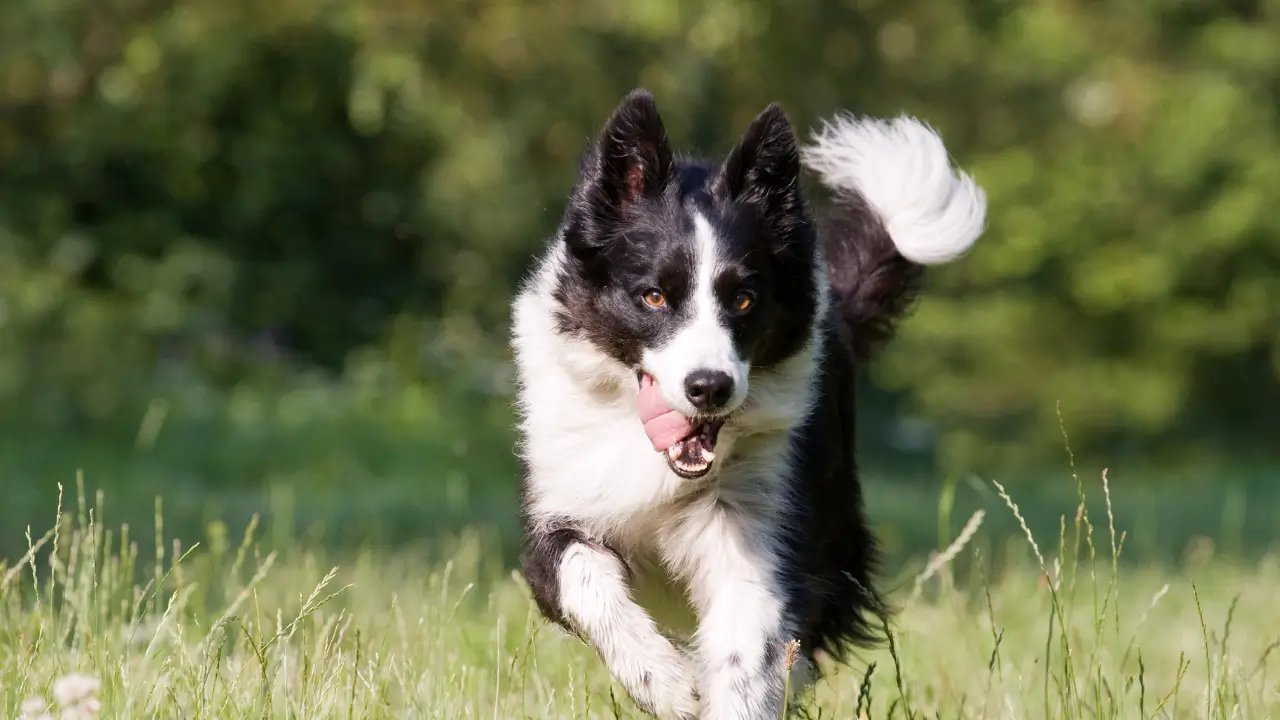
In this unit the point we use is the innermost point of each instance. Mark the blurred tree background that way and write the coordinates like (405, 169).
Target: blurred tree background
(260, 255)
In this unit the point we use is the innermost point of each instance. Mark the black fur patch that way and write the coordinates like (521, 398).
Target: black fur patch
(833, 553)
(540, 559)
(772, 654)
(873, 285)
(544, 546)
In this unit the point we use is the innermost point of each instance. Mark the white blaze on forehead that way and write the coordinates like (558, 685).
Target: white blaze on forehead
(705, 342)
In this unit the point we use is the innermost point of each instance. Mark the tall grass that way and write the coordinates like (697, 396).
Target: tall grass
(92, 624)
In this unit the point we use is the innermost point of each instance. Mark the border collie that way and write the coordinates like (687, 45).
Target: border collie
(712, 285)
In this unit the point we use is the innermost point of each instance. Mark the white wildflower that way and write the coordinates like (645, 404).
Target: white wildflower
(35, 709)
(71, 689)
(77, 696)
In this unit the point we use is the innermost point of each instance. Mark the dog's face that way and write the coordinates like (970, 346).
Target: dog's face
(698, 275)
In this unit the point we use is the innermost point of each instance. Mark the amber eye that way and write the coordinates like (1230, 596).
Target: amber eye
(654, 298)
(743, 301)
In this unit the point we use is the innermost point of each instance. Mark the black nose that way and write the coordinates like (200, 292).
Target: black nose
(708, 389)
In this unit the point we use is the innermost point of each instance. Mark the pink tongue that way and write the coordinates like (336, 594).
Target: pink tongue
(664, 426)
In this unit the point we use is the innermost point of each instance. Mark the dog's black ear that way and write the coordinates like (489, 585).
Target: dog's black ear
(764, 169)
(633, 154)
(628, 162)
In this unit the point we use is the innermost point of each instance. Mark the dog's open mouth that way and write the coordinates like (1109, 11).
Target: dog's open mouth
(689, 444)
(692, 456)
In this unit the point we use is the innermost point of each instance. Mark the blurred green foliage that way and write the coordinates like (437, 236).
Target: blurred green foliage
(217, 207)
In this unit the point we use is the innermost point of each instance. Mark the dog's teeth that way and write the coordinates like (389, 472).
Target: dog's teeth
(678, 455)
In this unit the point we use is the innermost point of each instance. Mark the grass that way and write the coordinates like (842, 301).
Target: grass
(230, 628)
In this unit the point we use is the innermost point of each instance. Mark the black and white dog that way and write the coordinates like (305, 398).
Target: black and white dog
(714, 282)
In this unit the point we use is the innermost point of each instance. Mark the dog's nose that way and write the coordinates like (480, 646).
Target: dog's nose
(708, 390)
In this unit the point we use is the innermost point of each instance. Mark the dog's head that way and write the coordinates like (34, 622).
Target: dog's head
(697, 274)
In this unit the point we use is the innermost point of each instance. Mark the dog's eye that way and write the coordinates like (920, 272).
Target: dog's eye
(743, 301)
(654, 298)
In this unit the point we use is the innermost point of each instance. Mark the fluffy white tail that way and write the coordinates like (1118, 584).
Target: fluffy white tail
(901, 169)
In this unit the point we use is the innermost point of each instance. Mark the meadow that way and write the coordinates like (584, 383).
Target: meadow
(94, 622)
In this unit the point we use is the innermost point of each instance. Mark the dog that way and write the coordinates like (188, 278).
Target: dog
(713, 286)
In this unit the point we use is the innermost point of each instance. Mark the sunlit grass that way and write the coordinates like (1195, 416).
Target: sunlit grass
(228, 628)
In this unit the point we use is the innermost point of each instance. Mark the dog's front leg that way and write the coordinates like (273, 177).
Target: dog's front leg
(733, 562)
(583, 585)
